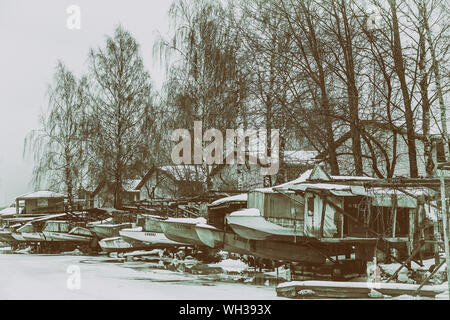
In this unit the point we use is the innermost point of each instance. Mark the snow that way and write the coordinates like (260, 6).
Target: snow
(187, 220)
(46, 277)
(130, 185)
(299, 156)
(42, 194)
(9, 211)
(302, 178)
(253, 212)
(239, 197)
(231, 265)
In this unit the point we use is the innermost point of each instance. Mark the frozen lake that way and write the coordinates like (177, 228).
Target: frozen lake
(25, 276)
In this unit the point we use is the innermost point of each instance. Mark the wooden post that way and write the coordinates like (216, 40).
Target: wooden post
(322, 220)
(445, 221)
(394, 213)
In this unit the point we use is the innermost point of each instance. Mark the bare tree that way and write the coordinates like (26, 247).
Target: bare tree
(121, 109)
(58, 146)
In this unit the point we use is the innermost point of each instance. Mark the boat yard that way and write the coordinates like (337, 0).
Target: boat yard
(318, 236)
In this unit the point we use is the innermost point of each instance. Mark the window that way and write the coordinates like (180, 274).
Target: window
(42, 203)
(310, 206)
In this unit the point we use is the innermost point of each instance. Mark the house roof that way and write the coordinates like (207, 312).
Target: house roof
(236, 198)
(185, 172)
(9, 211)
(131, 185)
(293, 157)
(43, 194)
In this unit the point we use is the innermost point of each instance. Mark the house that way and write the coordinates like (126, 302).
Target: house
(341, 215)
(39, 202)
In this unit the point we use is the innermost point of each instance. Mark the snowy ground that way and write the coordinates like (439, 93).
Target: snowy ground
(24, 276)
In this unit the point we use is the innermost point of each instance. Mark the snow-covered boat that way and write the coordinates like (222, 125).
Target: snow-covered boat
(249, 224)
(182, 230)
(116, 244)
(138, 237)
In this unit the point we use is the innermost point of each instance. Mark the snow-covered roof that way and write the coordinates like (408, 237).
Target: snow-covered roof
(130, 184)
(236, 198)
(299, 156)
(41, 194)
(247, 212)
(302, 178)
(186, 220)
(9, 211)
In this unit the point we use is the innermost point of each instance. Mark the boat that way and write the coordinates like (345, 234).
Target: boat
(6, 234)
(249, 224)
(209, 235)
(31, 233)
(63, 231)
(116, 244)
(212, 233)
(138, 237)
(182, 230)
(108, 230)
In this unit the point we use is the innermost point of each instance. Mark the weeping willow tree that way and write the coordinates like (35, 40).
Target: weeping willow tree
(206, 81)
(58, 146)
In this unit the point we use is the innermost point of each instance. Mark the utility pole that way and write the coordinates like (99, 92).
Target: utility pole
(442, 167)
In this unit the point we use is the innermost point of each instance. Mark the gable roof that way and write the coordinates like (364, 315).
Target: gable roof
(43, 194)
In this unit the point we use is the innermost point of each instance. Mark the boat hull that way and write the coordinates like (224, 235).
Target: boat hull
(116, 244)
(108, 231)
(150, 239)
(18, 237)
(210, 236)
(6, 236)
(181, 232)
(62, 236)
(34, 236)
(258, 228)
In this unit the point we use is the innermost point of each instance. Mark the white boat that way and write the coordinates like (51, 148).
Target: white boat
(209, 235)
(249, 224)
(137, 236)
(59, 231)
(108, 230)
(182, 230)
(115, 244)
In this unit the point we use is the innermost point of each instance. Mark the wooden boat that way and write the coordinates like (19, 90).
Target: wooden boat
(138, 237)
(182, 230)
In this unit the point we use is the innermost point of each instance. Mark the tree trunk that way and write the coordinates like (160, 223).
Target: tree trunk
(400, 71)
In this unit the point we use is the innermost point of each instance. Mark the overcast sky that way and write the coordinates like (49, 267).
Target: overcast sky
(34, 36)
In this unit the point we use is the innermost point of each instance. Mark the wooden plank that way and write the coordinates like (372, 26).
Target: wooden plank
(334, 289)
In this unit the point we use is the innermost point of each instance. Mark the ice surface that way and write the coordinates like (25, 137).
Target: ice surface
(46, 277)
